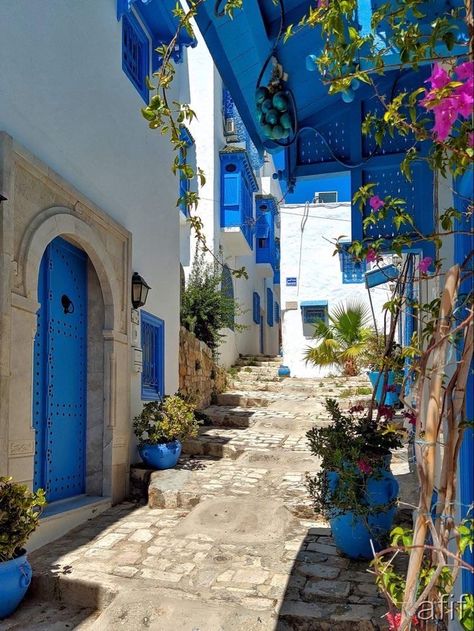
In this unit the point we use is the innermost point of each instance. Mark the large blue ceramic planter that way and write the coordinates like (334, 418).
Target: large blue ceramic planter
(352, 533)
(391, 398)
(15, 578)
(162, 456)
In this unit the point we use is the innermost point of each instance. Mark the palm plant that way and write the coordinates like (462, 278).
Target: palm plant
(342, 338)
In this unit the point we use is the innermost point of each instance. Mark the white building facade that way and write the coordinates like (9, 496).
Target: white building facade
(87, 200)
(239, 209)
(313, 280)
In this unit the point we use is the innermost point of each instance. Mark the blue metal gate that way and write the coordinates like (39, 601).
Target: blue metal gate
(60, 372)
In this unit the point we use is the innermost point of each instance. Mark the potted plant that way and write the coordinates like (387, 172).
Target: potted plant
(355, 488)
(20, 510)
(160, 427)
(385, 370)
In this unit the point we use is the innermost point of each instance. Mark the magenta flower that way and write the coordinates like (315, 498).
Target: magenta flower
(371, 256)
(465, 98)
(445, 115)
(465, 70)
(323, 4)
(411, 417)
(364, 467)
(439, 77)
(376, 203)
(425, 264)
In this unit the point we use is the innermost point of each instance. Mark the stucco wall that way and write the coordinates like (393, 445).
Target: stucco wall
(318, 275)
(64, 96)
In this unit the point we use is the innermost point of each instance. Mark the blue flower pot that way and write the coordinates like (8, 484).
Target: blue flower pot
(353, 533)
(284, 371)
(391, 398)
(162, 456)
(15, 578)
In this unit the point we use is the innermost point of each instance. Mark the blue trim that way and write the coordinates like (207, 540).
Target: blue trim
(269, 307)
(379, 276)
(153, 348)
(314, 303)
(463, 246)
(256, 307)
(237, 185)
(314, 310)
(135, 54)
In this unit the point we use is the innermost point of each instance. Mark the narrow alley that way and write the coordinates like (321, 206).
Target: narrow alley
(228, 541)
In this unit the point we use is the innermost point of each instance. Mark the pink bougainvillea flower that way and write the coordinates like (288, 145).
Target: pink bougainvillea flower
(465, 70)
(425, 264)
(465, 98)
(386, 411)
(323, 4)
(376, 203)
(445, 115)
(371, 256)
(439, 77)
(410, 417)
(394, 621)
(364, 467)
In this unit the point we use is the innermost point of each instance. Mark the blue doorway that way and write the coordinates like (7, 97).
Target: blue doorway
(60, 372)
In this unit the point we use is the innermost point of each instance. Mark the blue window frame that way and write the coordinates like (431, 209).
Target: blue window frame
(135, 54)
(270, 307)
(314, 311)
(256, 307)
(352, 271)
(153, 349)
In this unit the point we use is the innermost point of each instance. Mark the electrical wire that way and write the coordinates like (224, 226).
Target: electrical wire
(303, 225)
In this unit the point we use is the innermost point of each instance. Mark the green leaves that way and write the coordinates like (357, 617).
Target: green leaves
(466, 535)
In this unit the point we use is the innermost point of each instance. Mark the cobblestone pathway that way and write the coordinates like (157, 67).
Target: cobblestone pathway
(228, 540)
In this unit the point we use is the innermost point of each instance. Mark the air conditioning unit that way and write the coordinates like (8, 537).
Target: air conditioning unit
(229, 127)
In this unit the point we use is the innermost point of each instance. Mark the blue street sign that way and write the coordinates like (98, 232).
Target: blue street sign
(291, 281)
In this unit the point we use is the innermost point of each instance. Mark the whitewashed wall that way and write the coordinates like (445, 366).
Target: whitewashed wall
(318, 275)
(205, 92)
(64, 96)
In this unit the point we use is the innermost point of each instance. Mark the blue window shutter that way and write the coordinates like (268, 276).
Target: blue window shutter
(153, 359)
(256, 307)
(135, 54)
(277, 312)
(270, 307)
(231, 189)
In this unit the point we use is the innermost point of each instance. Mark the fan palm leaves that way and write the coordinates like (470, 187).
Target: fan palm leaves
(342, 338)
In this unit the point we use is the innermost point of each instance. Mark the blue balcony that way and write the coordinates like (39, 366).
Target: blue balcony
(238, 183)
(266, 245)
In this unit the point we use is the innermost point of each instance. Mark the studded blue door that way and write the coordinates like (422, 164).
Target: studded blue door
(60, 372)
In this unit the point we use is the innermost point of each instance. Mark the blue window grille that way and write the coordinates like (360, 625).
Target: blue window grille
(270, 308)
(135, 54)
(353, 271)
(256, 307)
(227, 289)
(277, 312)
(153, 349)
(314, 311)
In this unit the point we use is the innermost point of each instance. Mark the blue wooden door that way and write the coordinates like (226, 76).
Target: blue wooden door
(60, 372)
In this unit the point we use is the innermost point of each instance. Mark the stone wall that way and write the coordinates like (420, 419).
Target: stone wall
(199, 375)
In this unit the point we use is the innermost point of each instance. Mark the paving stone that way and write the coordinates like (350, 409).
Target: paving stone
(315, 570)
(126, 571)
(252, 576)
(327, 590)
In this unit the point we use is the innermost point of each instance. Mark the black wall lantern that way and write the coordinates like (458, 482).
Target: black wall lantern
(140, 290)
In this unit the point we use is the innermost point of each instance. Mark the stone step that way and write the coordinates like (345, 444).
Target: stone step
(274, 365)
(244, 399)
(261, 358)
(230, 416)
(217, 448)
(244, 377)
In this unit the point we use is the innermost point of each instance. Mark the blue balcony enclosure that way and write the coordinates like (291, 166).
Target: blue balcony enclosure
(238, 183)
(314, 311)
(353, 271)
(256, 307)
(266, 244)
(329, 138)
(157, 18)
(380, 275)
(235, 131)
(270, 307)
(276, 275)
(135, 54)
